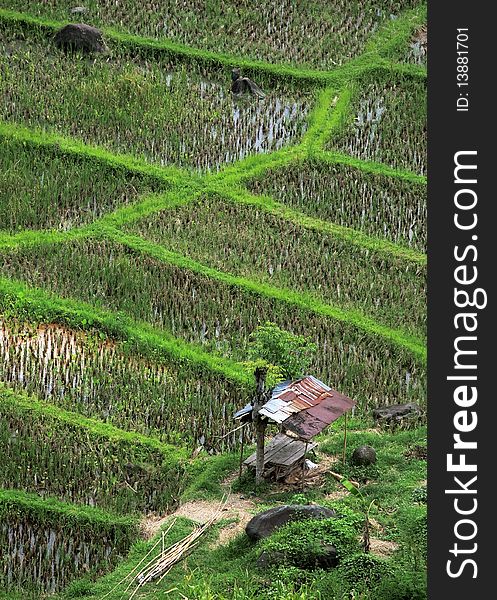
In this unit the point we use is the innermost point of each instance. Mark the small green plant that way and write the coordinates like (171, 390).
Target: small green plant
(420, 495)
(364, 570)
(299, 499)
(304, 543)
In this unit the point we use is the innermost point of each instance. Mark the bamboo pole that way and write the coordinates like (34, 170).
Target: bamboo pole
(241, 457)
(344, 440)
(302, 482)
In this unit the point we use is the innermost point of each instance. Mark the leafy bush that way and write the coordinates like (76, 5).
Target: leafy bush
(403, 585)
(302, 543)
(420, 495)
(364, 569)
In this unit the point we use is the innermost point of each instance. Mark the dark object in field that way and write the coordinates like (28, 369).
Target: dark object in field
(81, 37)
(243, 85)
(417, 452)
(421, 37)
(396, 412)
(263, 524)
(364, 456)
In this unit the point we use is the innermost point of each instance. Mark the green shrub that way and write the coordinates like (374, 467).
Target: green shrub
(420, 494)
(403, 585)
(364, 570)
(302, 543)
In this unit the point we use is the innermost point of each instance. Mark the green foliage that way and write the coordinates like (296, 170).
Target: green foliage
(206, 475)
(412, 524)
(301, 543)
(402, 585)
(359, 473)
(299, 499)
(364, 570)
(22, 303)
(420, 495)
(292, 353)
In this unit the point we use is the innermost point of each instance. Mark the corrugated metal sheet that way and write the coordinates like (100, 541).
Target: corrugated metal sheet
(305, 406)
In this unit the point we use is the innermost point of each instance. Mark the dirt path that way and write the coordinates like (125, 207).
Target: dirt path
(237, 508)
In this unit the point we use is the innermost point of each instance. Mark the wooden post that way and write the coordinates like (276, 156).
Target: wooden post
(344, 440)
(260, 423)
(303, 469)
(241, 456)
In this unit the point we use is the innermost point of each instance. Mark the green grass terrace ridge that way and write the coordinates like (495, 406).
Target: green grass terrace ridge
(36, 305)
(11, 499)
(169, 174)
(305, 301)
(94, 427)
(386, 37)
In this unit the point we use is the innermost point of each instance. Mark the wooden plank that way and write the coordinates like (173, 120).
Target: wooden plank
(292, 454)
(282, 450)
(277, 443)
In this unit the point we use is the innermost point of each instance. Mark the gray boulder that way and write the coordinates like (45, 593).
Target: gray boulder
(263, 524)
(364, 456)
(80, 37)
(396, 412)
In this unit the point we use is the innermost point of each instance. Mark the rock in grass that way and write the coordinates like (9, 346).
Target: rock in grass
(396, 412)
(263, 524)
(74, 37)
(364, 456)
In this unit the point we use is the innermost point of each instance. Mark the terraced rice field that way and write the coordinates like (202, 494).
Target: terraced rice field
(42, 189)
(159, 110)
(150, 221)
(374, 203)
(387, 124)
(314, 34)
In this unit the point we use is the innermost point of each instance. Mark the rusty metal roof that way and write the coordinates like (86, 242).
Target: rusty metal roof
(305, 406)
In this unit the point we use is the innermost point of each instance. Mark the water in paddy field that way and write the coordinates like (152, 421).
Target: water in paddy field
(249, 126)
(168, 113)
(93, 377)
